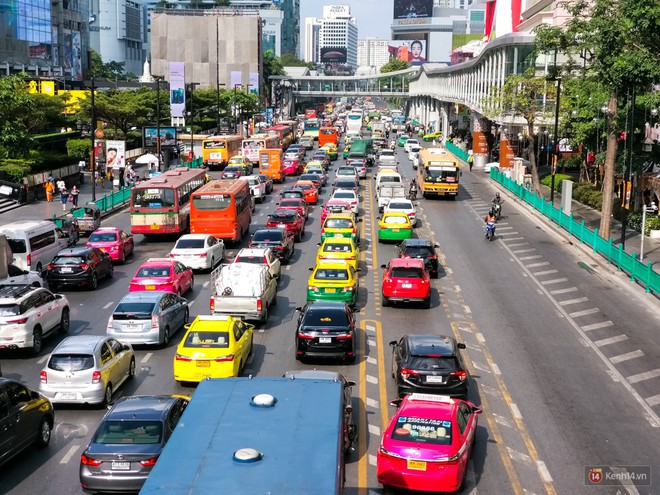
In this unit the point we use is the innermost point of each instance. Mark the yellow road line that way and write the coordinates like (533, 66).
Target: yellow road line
(374, 231)
(362, 418)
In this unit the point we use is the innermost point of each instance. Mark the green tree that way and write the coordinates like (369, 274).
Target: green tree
(16, 111)
(122, 110)
(48, 113)
(109, 70)
(272, 67)
(393, 65)
(290, 60)
(618, 39)
(79, 149)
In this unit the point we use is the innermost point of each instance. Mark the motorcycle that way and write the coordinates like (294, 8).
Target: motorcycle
(489, 231)
(497, 208)
(412, 194)
(392, 145)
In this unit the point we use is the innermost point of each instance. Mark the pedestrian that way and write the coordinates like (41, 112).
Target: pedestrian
(50, 189)
(64, 197)
(60, 185)
(470, 159)
(74, 196)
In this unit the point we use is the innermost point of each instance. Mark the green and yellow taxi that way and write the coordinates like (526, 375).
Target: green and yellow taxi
(311, 165)
(343, 224)
(401, 139)
(394, 226)
(331, 149)
(432, 135)
(216, 346)
(340, 249)
(333, 280)
(347, 150)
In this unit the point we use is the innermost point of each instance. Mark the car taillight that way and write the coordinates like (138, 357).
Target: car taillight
(212, 304)
(411, 214)
(229, 357)
(171, 255)
(18, 321)
(352, 258)
(432, 257)
(29, 260)
(84, 266)
(110, 323)
(149, 462)
(154, 321)
(312, 288)
(462, 375)
(347, 289)
(259, 305)
(405, 373)
(202, 255)
(43, 376)
(303, 335)
(96, 377)
(344, 336)
(179, 357)
(88, 461)
(322, 231)
(353, 231)
(50, 266)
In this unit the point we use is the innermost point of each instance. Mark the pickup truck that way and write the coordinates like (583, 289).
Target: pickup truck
(388, 191)
(243, 290)
(387, 159)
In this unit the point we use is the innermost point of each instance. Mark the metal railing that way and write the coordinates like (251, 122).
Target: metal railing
(628, 263)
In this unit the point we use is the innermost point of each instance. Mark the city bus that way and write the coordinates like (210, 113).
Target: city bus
(311, 128)
(217, 150)
(284, 133)
(294, 127)
(222, 208)
(327, 135)
(438, 173)
(257, 142)
(354, 121)
(161, 205)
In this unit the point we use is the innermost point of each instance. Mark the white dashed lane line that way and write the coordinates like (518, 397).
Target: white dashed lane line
(596, 326)
(563, 291)
(554, 281)
(585, 312)
(647, 375)
(108, 305)
(544, 272)
(610, 340)
(69, 454)
(577, 300)
(626, 357)
(536, 265)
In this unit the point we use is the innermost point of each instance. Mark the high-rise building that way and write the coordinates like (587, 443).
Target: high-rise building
(311, 51)
(372, 52)
(338, 36)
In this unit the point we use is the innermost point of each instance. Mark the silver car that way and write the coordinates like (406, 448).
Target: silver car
(148, 317)
(86, 369)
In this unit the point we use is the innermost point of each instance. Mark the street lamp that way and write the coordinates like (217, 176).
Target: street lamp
(158, 141)
(92, 161)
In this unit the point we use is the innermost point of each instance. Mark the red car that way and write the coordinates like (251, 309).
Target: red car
(164, 274)
(426, 446)
(289, 220)
(310, 190)
(406, 280)
(334, 206)
(293, 166)
(117, 243)
(296, 204)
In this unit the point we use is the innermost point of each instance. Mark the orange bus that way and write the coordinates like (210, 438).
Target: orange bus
(256, 143)
(161, 205)
(327, 135)
(271, 164)
(222, 208)
(284, 133)
(217, 150)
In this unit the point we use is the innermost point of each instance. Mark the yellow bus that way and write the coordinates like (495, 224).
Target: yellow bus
(438, 173)
(217, 150)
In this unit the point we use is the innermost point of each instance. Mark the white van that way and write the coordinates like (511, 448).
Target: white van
(34, 243)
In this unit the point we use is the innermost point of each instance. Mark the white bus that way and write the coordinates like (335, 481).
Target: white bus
(354, 121)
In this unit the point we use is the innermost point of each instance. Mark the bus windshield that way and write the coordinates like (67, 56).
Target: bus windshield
(153, 198)
(312, 125)
(444, 174)
(215, 202)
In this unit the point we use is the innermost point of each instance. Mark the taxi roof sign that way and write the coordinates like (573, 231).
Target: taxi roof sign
(445, 399)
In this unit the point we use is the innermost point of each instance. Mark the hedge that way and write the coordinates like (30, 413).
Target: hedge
(547, 180)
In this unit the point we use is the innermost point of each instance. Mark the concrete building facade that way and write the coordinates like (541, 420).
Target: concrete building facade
(372, 52)
(338, 35)
(311, 49)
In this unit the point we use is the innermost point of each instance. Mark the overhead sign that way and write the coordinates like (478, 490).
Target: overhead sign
(333, 55)
(177, 89)
(167, 137)
(410, 9)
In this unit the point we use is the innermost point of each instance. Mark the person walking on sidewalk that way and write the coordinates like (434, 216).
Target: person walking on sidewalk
(74, 196)
(64, 197)
(50, 189)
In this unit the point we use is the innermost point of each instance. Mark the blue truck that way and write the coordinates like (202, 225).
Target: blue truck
(257, 436)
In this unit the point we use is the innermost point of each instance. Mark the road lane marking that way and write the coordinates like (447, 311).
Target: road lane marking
(654, 400)
(536, 265)
(518, 244)
(544, 272)
(535, 257)
(563, 291)
(206, 284)
(362, 416)
(372, 360)
(543, 469)
(502, 420)
(517, 456)
(108, 305)
(521, 251)
(506, 233)
(43, 359)
(573, 301)
(69, 454)
(146, 357)
(554, 281)
(372, 403)
(596, 326)
(515, 412)
(647, 375)
(584, 312)
(374, 430)
(372, 379)
(626, 357)
(611, 340)
(373, 462)
(496, 369)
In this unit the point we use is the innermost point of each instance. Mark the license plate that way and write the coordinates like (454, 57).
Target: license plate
(406, 286)
(435, 379)
(154, 227)
(68, 396)
(203, 364)
(325, 340)
(330, 290)
(131, 328)
(281, 225)
(338, 234)
(66, 270)
(150, 287)
(121, 465)
(395, 230)
(416, 465)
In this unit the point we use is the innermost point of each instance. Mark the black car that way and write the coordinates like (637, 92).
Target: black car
(26, 418)
(79, 266)
(279, 240)
(326, 329)
(293, 192)
(421, 249)
(429, 364)
(128, 442)
(315, 178)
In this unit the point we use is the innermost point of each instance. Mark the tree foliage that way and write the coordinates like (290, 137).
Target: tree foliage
(393, 65)
(290, 60)
(109, 70)
(123, 109)
(17, 109)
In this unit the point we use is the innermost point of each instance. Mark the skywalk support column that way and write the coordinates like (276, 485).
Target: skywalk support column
(444, 121)
(480, 128)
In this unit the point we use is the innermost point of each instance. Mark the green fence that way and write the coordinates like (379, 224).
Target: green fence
(629, 263)
(114, 200)
(463, 155)
(196, 163)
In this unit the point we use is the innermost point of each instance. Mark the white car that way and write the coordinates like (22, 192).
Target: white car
(413, 152)
(347, 171)
(16, 276)
(409, 144)
(351, 197)
(404, 206)
(260, 256)
(257, 188)
(490, 165)
(198, 251)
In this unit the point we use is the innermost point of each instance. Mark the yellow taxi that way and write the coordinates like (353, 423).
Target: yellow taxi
(333, 280)
(338, 248)
(312, 165)
(331, 149)
(394, 226)
(342, 224)
(216, 346)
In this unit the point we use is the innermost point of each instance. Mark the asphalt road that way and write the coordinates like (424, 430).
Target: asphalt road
(562, 353)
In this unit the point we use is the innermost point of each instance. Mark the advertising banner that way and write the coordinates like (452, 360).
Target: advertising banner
(254, 83)
(411, 51)
(167, 137)
(410, 9)
(506, 154)
(115, 152)
(479, 143)
(332, 55)
(177, 89)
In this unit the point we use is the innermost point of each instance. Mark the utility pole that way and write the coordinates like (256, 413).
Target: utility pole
(158, 122)
(92, 132)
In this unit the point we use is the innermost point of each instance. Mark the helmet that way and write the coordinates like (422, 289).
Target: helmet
(497, 195)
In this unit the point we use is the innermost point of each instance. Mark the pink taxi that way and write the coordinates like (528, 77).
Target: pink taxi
(163, 274)
(117, 243)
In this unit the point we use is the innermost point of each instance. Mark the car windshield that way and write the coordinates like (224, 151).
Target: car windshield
(395, 220)
(71, 362)
(407, 272)
(312, 177)
(337, 248)
(289, 204)
(346, 171)
(399, 206)
(390, 178)
(338, 223)
(345, 184)
(109, 237)
(232, 169)
(331, 274)
(134, 308)
(189, 244)
(68, 260)
(10, 310)
(128, 432)
(446, 364)
(255, 260)
(154, 271)
(218, 340)
(418, 251)
(305, 186)
(267, 236)
(281, 218)
(344, 195)
(422, 430)
(325, 318)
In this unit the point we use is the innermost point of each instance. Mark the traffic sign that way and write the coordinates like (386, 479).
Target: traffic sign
(99, 134)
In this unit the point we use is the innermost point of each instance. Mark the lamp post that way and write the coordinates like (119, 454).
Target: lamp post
(158, 143)
(553, 169)
(234, 107)
(191, 155)
(92, 161)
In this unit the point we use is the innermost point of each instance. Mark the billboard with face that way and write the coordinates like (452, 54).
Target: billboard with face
(411, 51)
(333, 55)
(410, 9)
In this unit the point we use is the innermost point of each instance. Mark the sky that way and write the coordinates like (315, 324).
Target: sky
(373, 17)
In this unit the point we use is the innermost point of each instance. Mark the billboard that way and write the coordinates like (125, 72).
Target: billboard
(411, 51)
(167, 137)
(115, 154)
(331, 55)
(410, 9)
(177, 89)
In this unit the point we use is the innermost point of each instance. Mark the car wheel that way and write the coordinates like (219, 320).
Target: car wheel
(186, 316)
(107, 395)
(65, 321)
(94, 282)
(435, 274)
(43, 434)
(192, 282)
(122, 258)
(111, 271)
(427, 303)
(275, 300)
(385, 301)
(40, 268)
(166, 337)
(37, 340)
(212, 263)
(131, 368)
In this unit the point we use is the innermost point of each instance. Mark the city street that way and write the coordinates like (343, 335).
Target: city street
(562, 353)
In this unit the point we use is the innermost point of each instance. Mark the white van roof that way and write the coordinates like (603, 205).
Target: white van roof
(27, 226)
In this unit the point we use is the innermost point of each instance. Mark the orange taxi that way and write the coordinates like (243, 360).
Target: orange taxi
(310, 190)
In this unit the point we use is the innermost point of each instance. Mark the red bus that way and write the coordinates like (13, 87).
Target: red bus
(284, 132)
(161, 205)
(327, 134)
(222, 208)
(295, 125)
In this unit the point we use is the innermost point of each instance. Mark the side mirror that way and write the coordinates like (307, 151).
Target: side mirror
(383, 266)
(299, 308)
(393, 343)
(349, 384)
(318, 244)
(396, 403)
(311, 269)
(126, 347)
(359, 270)
(476, 410)
(186, 326)
(359, 220)
(436, 245)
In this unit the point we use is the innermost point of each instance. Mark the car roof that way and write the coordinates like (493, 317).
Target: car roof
(407, 263)
(338, 240)
(434, 405)
(144, 296)
(194, 236)
(210, 323)
(344, 214)
(158, 262)
(76, 251)
(431, 344)
(79, 343)
(107, 229)
(141, 407)
(288, 213)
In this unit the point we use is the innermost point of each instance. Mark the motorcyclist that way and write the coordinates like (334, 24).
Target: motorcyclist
(497, 204)
(413, 190)
(490, 216)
